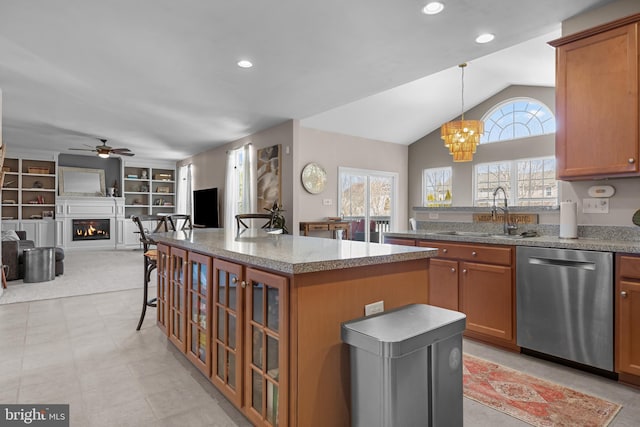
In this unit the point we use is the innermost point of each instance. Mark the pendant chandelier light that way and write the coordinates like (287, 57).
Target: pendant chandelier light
(462, 137)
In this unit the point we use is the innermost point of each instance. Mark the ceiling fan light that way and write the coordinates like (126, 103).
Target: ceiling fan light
(103, 155)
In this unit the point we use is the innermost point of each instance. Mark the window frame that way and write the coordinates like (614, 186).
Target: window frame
(512, 193)
(489, 124)
(424, 196)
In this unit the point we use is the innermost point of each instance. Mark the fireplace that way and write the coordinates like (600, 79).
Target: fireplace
(90, 229)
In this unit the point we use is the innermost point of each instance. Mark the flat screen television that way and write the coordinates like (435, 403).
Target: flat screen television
(205, 208)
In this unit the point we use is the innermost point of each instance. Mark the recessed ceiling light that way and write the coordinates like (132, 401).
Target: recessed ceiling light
(485, 38)
(245, 63)
(433, 8)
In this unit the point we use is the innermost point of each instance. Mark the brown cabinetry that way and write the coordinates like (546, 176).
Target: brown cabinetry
(274, 338)
(227, 332)
(199, 311)
(177, 297)
(266, 378)
(399, 241)
(162, 301)
(597, 102)
(477, 280)
(628, 317)
(486, 297)
(443, 283)
(231, 322)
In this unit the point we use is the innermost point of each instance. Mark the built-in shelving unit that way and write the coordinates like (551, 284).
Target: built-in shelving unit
(29, 189)
(149, 190)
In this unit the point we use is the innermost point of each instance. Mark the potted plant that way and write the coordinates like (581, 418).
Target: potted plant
(277, 218)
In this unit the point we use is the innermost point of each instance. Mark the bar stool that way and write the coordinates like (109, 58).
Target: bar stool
(179, 222)
(150, 264)
(240, 217)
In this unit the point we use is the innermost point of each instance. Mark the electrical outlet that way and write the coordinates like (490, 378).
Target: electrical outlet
(433, 215)
(327, 202)
(595, 205)
(373, 308)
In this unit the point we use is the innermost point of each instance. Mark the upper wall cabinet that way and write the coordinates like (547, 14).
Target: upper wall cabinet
(597, 102)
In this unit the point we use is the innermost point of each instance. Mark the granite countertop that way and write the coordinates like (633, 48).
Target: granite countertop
(290, 254)
(615, 243)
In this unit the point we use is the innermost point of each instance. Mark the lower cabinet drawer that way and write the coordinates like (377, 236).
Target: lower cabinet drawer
(501, 255)
(315, 227)
(630, 267)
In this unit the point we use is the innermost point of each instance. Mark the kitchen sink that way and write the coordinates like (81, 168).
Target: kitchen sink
(472, 233)
(482, 234)
(461, 233)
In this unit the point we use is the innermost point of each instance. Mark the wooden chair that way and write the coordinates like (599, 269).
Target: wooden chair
(240, 219)
(150, 262)
(179, 222)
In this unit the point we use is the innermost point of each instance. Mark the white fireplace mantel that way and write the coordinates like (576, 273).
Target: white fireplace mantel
(69, 208)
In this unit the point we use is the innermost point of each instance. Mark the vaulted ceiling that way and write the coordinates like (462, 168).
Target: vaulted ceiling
(160, 77)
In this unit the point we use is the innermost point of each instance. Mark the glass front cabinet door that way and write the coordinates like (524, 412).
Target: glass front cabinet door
(226, 342)
(177, 298)
(198, 313)
(266, 340)
(163, 287)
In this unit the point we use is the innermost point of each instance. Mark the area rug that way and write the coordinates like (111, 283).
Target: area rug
(533, 400)
(85, 272)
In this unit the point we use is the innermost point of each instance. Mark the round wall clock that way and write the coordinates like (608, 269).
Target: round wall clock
(314, 178)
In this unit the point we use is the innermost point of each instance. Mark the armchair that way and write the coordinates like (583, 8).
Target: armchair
(12, 255)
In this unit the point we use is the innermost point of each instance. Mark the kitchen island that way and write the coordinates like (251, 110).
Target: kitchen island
(260, 314)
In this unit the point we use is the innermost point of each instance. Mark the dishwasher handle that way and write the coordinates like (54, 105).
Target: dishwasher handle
(584, 265)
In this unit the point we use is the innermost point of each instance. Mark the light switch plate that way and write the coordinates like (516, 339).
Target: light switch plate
(373, 308)
(595, 205)
(326, 202)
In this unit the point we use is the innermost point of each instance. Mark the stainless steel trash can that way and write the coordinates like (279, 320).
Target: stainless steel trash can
(39, 265)
(406, 367)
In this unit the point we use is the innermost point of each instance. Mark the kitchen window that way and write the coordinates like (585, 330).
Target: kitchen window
(437, 187)
(528, 182)
(517, 118)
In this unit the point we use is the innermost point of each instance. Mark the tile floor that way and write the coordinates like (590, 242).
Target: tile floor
(85, 351)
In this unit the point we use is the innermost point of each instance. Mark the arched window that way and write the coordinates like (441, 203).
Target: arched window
(517, 118)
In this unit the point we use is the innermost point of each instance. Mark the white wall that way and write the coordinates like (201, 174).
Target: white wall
(209, 167)
(331, 151)
(593, 18)
(299, 147)
(429, 151)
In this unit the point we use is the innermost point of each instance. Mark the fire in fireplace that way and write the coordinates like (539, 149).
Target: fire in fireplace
(91, 229)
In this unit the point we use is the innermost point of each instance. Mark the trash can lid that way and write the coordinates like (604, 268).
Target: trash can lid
(398, 332)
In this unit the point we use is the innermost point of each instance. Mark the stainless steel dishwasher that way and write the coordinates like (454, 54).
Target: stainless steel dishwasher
(564, 302)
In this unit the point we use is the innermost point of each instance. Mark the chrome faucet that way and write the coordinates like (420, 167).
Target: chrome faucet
(507, 227)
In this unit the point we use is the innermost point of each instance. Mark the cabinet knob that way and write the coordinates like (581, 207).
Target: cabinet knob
(623, 294)
(631, 160)
(243, 284)
(453, 270)
(464, 271)
(234, 280)
(445, 250)
(474, 253)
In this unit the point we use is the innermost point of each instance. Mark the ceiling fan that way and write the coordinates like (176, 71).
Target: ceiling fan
(105, 151)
